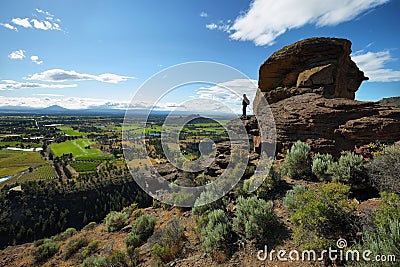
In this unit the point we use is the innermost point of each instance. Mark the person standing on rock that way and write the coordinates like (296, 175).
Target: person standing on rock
(245, 103)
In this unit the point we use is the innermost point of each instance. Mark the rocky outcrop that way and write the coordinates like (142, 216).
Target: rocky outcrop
(310, 86)
(333, 125)
(322, 65)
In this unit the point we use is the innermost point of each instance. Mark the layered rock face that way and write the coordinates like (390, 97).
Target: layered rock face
(310, 86)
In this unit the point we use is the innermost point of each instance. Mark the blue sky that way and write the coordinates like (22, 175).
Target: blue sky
(83, 54)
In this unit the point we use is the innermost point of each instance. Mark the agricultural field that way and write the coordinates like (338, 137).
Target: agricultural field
(77, 148)
(71, 132)
(41, 172)
(85, 166)
(13, 162)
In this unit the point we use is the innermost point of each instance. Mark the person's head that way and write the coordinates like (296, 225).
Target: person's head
(244, 95)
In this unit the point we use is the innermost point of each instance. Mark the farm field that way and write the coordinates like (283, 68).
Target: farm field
(42, 172)
(85, 166)
(13, 162)
(71, 132)
(77, 148)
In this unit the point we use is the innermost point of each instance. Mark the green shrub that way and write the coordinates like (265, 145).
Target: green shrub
(384, 170)
(208, 197)
(296, 162)
(133, 240)
(75, 245)
(142, 229)
(387, 210)
(118, 259)
(381, 241)
(115, 221)
(319, 217)
(253, 217)
(144, 226)
(320, 165)
(216, 231)
(91, 248)
(46, 250)
(166, 243)
(96, 262)
(347, 168)
(294, 198)
(270, 183)
(89, 226)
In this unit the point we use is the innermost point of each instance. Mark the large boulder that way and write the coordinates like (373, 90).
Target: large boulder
(310, 87)
(321, 65)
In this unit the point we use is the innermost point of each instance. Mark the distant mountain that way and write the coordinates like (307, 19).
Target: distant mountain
(391, 101)
(54, 108)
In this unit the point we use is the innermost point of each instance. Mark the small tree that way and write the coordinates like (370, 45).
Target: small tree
(296, 162)
(347, 168)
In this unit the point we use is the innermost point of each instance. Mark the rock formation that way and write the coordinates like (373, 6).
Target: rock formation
(310, 86)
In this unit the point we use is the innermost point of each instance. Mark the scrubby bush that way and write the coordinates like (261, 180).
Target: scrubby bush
(206, 201)
(347, 168)
(296, 162)
(216, 231)
(144, 226)
(89, 226)
(319, 217)
(142, 229)
(320, 165)
(253, 217)
(115, 221)
(75, 245)
(91, 248)
(388, 209)
(96, 262)
(294, 198)
(384, 170)
(166, 243)
(118, 259)
(45, 250)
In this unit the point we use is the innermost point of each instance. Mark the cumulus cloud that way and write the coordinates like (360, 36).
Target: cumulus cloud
(43, 20)
(60, 75)
(203, 14)
(9, 26)
(267, 19)
(374, 66)
(221, 26)
(13, 85)
(19, 54)
(35, 59)
(225, 97)
(22, 22)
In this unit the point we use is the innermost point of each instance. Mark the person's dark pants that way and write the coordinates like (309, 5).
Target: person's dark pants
(244, 110)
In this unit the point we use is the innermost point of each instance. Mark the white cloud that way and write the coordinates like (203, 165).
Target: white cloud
(9, 26)
(203, 14)
(59, 75)
(51, 95)
(19, 54)
(67, 102)
(221, 26)
(224, 97)
(43, 20)
(267, 19)
(22, 22)
(373, 64)
(13, 85)
(35, 59)
(211, 26)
